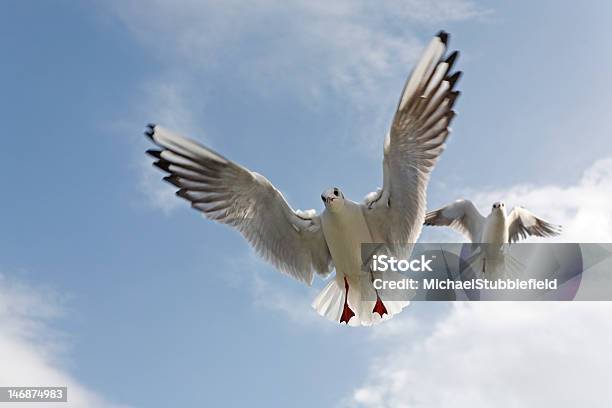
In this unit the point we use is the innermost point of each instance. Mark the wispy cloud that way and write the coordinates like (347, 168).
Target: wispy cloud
(293, 304)
(307, 46)
(30, 349)
(272, 291)
(346, 55)
(166, 103)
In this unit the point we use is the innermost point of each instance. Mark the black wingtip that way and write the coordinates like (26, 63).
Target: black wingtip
(452, 58)
(443, 36)
(154, 153)
(184, 194)
(150, 130)
(162, 164)
(452, 80)
(452, 97)
(173, 180)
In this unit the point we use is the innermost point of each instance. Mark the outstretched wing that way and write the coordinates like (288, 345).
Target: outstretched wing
(523, 223)
(416, 139)
(462, 216)
(229, 193)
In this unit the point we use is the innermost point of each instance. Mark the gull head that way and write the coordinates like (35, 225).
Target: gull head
(499, 207)
(333, 198)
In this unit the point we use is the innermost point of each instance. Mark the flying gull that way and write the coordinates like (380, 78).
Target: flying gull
(497, 229)
(304, 243)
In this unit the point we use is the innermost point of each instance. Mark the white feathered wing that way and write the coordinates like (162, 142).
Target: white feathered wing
(229, 193)
(412, 147)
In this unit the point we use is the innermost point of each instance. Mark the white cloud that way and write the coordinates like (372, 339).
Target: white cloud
(498, 354)
(31, 350)
(507, 354)
(584, 209)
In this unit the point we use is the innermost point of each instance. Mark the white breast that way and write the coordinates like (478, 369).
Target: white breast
(345, 230)
(495, 230)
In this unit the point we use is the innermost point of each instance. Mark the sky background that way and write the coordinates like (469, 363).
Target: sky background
(111, 285)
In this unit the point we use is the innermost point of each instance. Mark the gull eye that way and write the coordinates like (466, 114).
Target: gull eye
(336, 192)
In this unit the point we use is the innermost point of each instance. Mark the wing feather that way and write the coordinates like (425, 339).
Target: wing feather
(462, 216)
(523, 223)
(229, 193)
(420, 127)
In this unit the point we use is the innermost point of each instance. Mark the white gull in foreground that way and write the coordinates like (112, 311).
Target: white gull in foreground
(302, 243)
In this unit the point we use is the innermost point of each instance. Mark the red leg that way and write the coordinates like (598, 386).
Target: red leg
(347, 313)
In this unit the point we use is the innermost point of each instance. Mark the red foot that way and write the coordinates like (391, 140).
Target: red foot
(379, 307)
(347, 313)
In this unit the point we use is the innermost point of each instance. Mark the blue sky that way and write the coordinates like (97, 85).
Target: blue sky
(139, 301)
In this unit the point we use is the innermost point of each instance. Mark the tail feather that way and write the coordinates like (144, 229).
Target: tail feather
(330, 302)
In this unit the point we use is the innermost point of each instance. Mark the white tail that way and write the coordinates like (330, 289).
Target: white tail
(330, 304)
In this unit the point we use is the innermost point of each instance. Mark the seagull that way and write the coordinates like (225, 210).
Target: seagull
(495, 230)
(304, 243)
